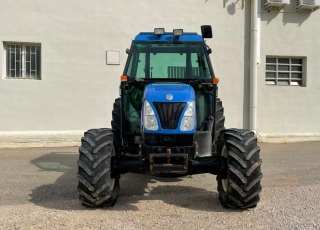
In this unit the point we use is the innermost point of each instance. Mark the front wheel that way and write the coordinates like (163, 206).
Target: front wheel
(240, 187)
(98, 184)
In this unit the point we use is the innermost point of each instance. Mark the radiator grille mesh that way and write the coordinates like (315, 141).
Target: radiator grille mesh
(169, 113)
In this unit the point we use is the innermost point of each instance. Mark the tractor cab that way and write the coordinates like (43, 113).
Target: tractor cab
(168, 56)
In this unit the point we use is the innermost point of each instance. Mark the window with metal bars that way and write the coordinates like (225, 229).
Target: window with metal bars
(23, 61)
(285, 71)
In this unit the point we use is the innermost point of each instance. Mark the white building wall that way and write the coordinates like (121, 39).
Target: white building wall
(77, 89)
(287, 110)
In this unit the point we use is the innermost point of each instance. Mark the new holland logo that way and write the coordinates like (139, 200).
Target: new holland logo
(169, 97)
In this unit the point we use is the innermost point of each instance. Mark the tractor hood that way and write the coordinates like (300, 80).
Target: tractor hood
(169, 101)
(169, 92)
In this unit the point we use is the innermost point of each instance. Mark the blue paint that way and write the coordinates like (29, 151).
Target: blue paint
(168, 37)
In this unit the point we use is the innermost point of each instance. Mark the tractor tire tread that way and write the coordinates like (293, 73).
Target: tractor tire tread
(94, 169)
(116, 125)
(220, 119)
(244, 169)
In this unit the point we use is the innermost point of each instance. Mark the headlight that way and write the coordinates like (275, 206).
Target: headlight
(187, 122)
(149, 118)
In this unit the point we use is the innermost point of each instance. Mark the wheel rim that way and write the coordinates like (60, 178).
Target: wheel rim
(225, 182)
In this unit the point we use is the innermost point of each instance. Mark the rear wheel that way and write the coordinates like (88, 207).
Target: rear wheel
(240, 188)
(116, 124)
(98, 184)
(219, 119)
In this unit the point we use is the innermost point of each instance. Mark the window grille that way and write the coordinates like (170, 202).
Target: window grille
(23, 61)
(284, 71)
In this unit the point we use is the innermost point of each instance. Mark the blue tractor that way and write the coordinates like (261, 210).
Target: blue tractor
(168, 120)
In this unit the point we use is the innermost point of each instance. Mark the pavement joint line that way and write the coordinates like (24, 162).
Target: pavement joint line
(44, 144)
(14, 139)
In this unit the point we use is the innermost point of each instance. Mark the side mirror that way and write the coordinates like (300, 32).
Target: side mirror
(206, 31)
(127, 51)
(209, 51)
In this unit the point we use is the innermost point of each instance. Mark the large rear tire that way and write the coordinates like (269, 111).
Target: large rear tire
(241, 186)
(116, 124)
(98, 184)
(219, 119)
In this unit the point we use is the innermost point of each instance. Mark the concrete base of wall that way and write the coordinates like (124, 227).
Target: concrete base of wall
(73, 138)
(40, 139)
(286, 138)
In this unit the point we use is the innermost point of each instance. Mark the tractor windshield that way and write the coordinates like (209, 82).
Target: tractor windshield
(168, 60)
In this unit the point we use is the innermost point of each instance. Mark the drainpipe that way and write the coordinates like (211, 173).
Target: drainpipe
(254, 54)
(259, 32)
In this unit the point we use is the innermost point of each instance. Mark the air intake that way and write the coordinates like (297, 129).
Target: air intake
(169, 113)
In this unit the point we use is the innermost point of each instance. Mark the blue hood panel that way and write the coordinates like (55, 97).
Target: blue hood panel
(158, 92)
(168, 92)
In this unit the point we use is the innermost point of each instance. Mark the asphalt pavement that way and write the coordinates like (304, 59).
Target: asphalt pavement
(38, 191)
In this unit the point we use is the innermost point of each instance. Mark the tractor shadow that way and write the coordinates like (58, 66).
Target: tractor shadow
(135, 188)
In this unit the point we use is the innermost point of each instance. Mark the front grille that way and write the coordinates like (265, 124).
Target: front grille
(169, 113)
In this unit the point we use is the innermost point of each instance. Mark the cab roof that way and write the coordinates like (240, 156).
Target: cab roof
(168, 36)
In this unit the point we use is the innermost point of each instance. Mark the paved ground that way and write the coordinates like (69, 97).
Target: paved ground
(38, 191)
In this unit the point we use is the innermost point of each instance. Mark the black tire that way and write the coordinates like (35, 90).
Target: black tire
(98, 185)
(116, 120)
(241, 187)
(220, 119)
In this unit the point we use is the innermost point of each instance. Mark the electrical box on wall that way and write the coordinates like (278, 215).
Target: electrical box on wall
(277, 4)
(113, 57)
(309, 5)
